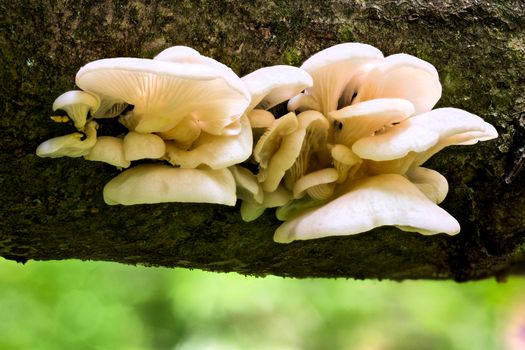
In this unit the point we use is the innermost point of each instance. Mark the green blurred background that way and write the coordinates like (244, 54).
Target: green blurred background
(95, 305)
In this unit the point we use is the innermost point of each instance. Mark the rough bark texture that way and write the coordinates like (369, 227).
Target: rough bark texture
(53, 208)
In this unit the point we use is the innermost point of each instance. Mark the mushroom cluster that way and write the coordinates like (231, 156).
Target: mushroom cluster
(346, 158)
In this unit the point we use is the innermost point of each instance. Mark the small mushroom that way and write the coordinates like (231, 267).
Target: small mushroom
(387, 199)
(157, 183)
(163, 92)
(402, 76)
(319, 184)
(413, 141)
(335, 70)
(315, 127)
(293, 153)
(270, 86)
(214, 151)
(365, 118)
(72, 145)
(143, 146)
(108, 149)
(77, 104)
(270, 141)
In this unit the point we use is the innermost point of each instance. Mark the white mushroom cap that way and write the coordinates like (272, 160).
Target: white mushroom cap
(365, 118)
(269, 142)
(251, 210)
(214, 151)
(156, 183)
(260, 118)
(77, 104)
(376, 201)
(163, 93)
(318, 184)
(315, 127)
(270, 86)
(108, 149)
(334, 70)
(426, 134)
(430, 182)
(293, 152)
(248, 188)
(143, 146)
(402, 76)
(71, 145)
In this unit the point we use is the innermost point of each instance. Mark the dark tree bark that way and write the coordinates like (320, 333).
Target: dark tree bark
(53, 208)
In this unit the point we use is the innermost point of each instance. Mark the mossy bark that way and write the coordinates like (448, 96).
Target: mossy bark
(53, 208)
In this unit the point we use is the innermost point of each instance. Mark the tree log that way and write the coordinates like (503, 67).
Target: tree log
(53, 208)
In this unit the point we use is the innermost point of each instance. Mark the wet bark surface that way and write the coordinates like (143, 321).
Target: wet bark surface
(53, 208)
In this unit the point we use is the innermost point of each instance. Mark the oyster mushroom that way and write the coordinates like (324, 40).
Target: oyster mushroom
(402, 76)
(387, 199)
(413, 141)
(290, 157)
(143, 146)
(163, 93)
(108, 149)
(72, 145)
(214, 151)
(319, 184)
(335, 70)
(363, 119)
(157, 183)
(270, 86)
(77, 104)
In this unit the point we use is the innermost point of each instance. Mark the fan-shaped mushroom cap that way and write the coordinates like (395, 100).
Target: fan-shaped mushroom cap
(269, 142)
(318, 184)
(108, 149)
(293, 151)
(214, 151)
(334, 70)
(365, 118)
(430, 182)
(260, 118)
(402, 76)
(270, 86)
(424, 134)
(77, 104)
(143, 146)
(163, 93)
(381, 200)
(314, 126)
(156, 183)
(71, 145)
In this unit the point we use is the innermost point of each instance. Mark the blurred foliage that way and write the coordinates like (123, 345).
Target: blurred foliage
(95, 305)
